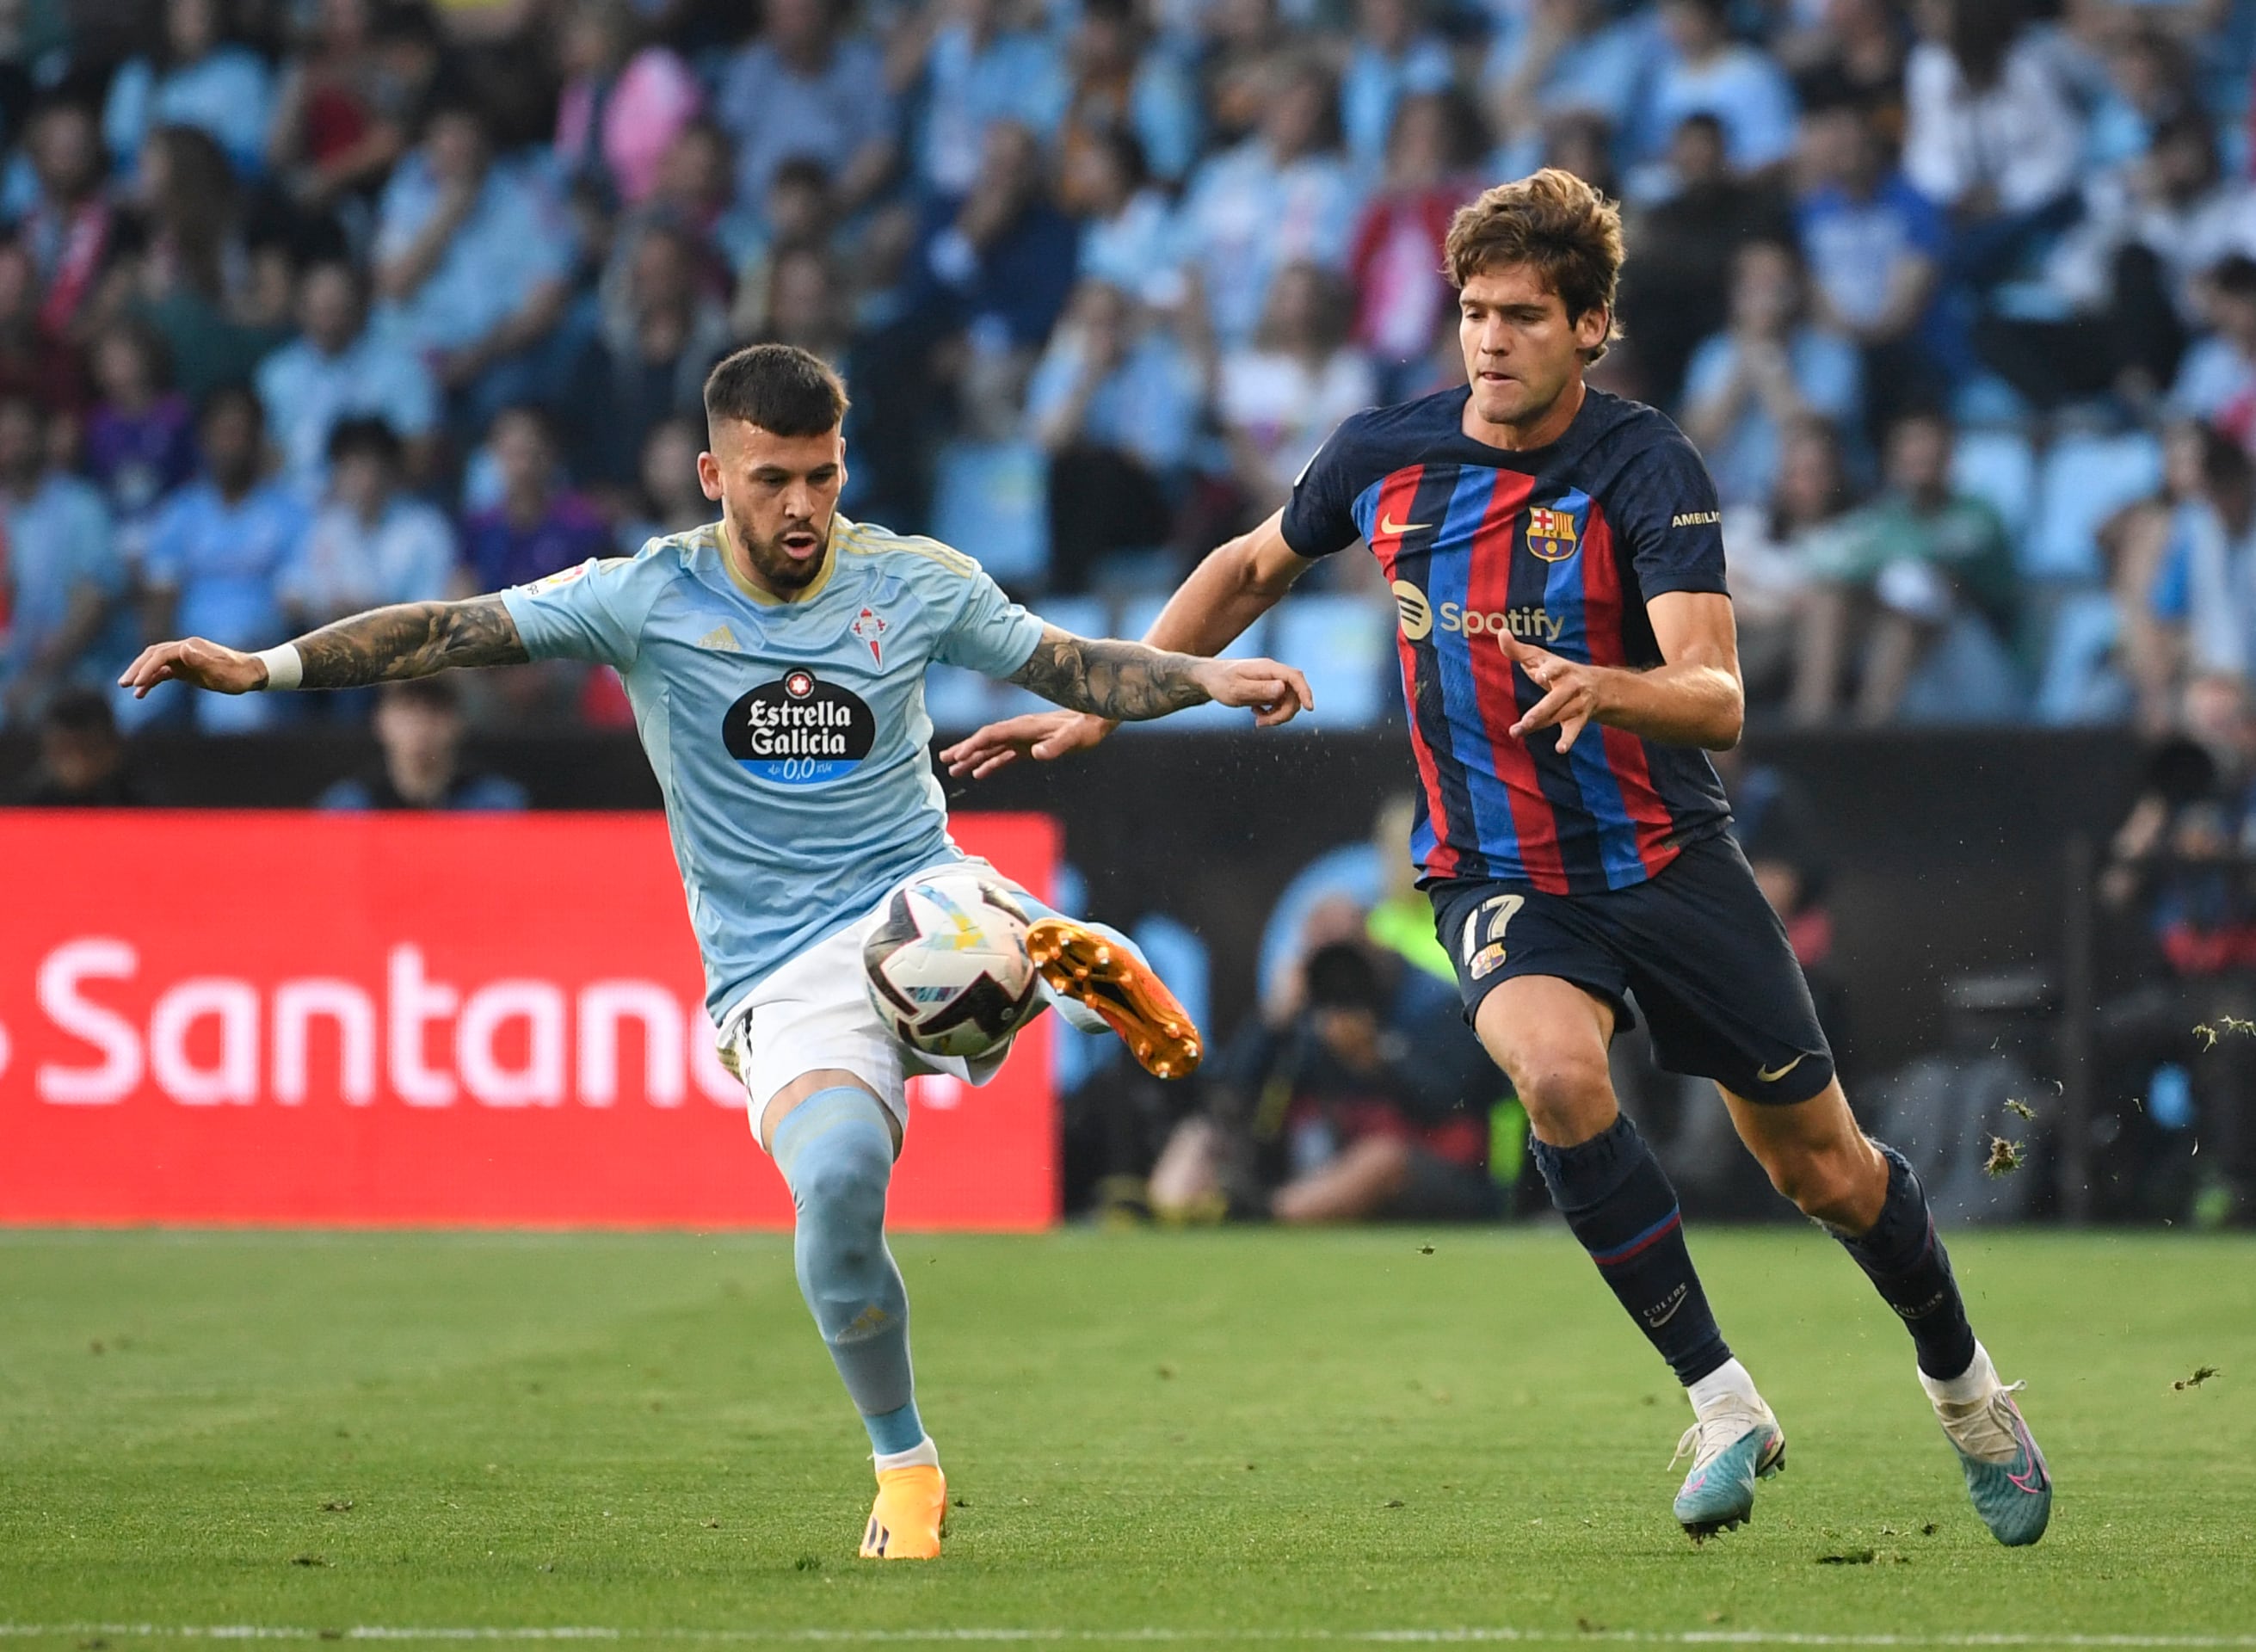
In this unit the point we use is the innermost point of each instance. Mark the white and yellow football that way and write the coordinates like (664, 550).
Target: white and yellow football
(948, 965)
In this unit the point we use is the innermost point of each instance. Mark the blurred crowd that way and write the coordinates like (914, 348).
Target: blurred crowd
(310, 304)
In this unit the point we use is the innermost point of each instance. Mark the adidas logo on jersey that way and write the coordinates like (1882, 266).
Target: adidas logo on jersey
(720, 637)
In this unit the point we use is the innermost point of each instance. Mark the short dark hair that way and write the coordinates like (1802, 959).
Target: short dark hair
(79, 711)
(156, 349)
(800, 171)
(1921, 410)
(64, 100)
(365, 434)
(2234, 275)
(1342, 977)
(436, 693)
(779, 387)
(233, 394)
(531, 414)
(457, 100)
(335, 259)
(408, 20)
(1127, 152)
(2224, 462)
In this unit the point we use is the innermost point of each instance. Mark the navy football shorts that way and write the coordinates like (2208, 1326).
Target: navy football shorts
(1705, 956)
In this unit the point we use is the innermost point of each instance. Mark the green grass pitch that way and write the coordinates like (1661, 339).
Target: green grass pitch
(1211, 1439)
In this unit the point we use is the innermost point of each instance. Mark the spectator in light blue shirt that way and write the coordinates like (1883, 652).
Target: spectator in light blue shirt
(2216, 381)
(1707, 72)
(63, 581)
(2149, 79)
(371, 544)
(1283, 196)
(472, 257)
(1876, 249)
(1123, 84)
(2207, 581)
(977, 73)
(1115, 406)
(339, 368)
(199, 79)
(1570, 57)
(1770, 368)
(799, 90)
(1112, 378)
(217, 551)
(1126, 228)
(1393, 57)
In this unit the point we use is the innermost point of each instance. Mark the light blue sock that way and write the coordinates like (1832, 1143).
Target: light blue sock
(1077, 1015)
(836, 1151)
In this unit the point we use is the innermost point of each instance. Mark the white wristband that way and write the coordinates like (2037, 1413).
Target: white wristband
(284, 667)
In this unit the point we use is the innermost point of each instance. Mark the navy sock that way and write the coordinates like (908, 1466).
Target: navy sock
(1905, 1261)
(1616, 1198)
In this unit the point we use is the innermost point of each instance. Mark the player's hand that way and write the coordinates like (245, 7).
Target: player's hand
(1277, 693)
(1043, 736)
(206, 665)
(1571, 691)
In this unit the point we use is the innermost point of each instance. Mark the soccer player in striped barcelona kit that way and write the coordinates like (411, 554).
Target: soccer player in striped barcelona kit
(1568, 659)
(790, 862)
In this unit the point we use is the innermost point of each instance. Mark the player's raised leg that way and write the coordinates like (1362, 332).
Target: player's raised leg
(1096, 977)
(1869, 1196)
(1550, 1036)
(834, 1142)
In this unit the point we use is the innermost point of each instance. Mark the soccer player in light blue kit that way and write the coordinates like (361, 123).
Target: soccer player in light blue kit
(775, 660)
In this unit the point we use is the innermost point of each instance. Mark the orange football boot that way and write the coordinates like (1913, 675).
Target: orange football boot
(905, 1520)
(1111, 981)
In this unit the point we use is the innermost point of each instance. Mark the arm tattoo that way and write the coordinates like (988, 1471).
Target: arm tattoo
(410, 639)
(1126, 681)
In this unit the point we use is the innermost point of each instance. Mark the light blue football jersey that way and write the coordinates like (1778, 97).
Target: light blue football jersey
(790, 740)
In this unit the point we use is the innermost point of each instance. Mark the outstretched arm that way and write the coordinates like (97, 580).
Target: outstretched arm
(1232, 588)
(410, 639)
(1129, 681)
(1237, 582)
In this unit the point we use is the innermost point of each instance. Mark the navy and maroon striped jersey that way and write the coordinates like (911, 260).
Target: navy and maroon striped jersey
(1561, 546)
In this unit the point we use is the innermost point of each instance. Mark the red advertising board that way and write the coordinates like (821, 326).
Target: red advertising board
(418, 1021)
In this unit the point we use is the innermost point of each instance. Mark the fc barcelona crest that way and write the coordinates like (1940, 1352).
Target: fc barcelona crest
(1551, 534)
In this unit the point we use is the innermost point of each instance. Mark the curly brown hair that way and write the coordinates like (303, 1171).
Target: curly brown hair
(1557, 225)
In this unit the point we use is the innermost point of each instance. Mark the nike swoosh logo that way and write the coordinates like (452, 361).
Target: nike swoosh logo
(1772, 1074)
(1392, 528)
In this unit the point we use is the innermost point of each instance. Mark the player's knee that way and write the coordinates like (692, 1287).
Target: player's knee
(838, 1160)
(845, 1176)
(1568, 1092)
(846, 1193)
(1826, 1183)
(840, 1245)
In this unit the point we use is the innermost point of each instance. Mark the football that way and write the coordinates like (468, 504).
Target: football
(947, 964)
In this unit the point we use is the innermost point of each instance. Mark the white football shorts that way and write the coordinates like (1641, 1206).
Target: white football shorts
(815, 1012)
